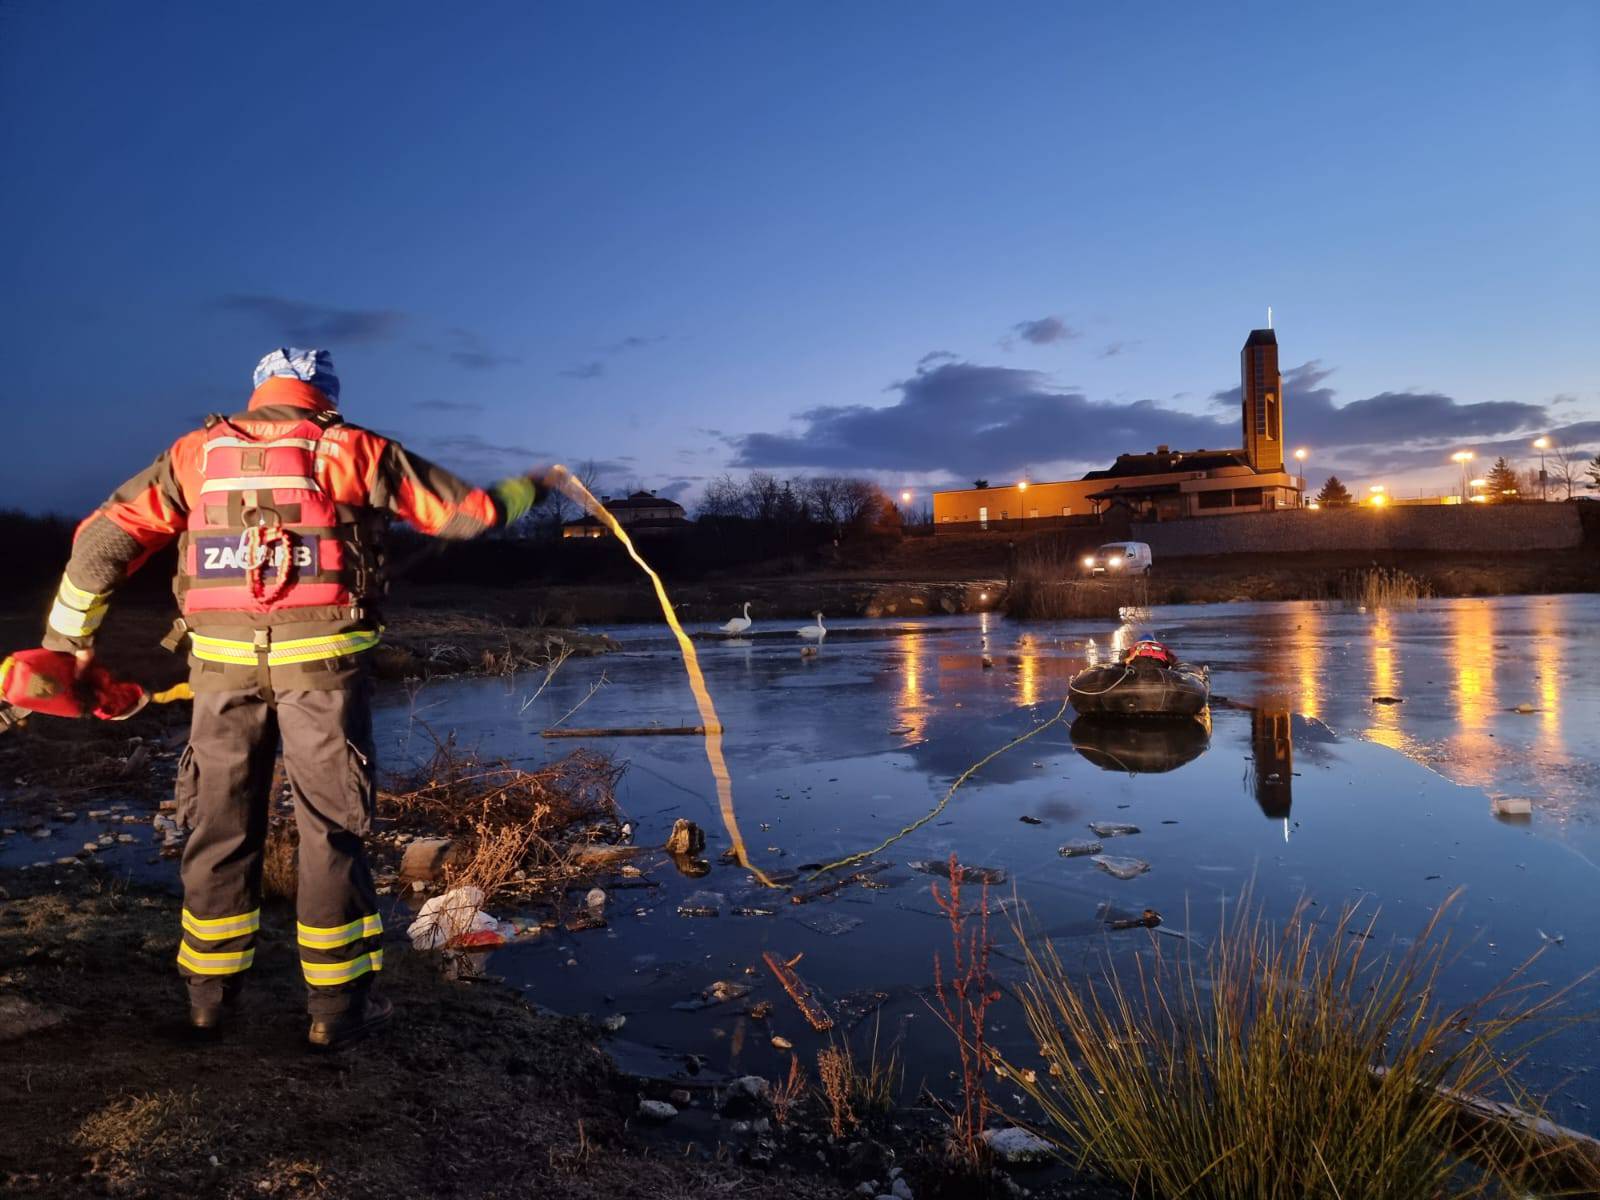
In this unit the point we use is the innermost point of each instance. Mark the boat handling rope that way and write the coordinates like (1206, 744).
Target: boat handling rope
(570, 486)
(944, 801)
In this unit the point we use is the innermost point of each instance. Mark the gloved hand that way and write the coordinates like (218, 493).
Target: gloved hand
(515, 495)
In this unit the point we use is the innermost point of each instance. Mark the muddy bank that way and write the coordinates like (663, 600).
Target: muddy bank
(471, 1093)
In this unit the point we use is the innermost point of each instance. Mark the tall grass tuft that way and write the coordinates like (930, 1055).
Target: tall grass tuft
(1285, 1064)
(1047, 584)
(853, 1092)
(1382, 587)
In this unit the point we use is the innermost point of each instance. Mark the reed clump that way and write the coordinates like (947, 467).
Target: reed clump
(1047, 584)
(858, 1092)
(1285, 1063)
(1382, 587)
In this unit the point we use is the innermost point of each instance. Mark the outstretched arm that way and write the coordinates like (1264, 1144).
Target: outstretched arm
(141, 517)
(440, 504)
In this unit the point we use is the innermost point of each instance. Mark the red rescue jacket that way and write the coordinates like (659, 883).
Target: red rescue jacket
(277, 511)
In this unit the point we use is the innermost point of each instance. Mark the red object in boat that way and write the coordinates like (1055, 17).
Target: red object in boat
(482, 940)
(1151, 650)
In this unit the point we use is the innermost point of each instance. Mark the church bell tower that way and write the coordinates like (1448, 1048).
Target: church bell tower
(1262, 393)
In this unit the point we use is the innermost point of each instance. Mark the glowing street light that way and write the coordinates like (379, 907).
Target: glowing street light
(1022, 485)
(1463, 457)
(1300, 457)
(1541, 444)
(1378, 500)
(905, 497)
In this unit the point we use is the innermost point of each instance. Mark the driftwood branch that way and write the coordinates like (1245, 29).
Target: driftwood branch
(800, 992)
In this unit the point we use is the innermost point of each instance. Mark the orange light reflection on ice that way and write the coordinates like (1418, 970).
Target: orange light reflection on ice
(1385, 728)
(1472, 648)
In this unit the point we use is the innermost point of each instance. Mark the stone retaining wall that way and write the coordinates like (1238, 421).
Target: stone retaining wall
(1433, 527)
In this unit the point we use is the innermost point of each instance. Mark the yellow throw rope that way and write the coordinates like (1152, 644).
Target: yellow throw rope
(939, 807)
(570, 486)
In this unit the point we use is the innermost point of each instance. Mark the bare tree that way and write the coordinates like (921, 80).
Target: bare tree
(1564, 466)
(557, 508)
(723, 497)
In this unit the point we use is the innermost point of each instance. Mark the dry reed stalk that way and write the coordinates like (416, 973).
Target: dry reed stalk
(1382, 587)
(964, 998)
(834, 1070)
(787, 1094)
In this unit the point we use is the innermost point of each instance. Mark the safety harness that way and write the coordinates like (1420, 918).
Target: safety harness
(265, 540)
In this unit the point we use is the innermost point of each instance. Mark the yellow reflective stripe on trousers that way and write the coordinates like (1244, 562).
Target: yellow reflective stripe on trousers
(215, 929)
(333, 974)
(284, 653)
(202, 963)
(332, 937)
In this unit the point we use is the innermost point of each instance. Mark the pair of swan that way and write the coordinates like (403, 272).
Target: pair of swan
(813, 633)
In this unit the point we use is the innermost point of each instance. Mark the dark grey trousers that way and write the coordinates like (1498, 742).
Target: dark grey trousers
(224, 786)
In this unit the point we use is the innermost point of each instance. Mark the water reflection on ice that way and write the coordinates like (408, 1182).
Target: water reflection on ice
(1302, 785)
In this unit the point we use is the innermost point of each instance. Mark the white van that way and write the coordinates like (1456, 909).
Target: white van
(1119, 558)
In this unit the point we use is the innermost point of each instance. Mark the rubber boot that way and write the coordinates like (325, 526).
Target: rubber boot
(212, 1008)
(368, 1016)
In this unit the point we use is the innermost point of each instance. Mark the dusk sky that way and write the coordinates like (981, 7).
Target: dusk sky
(925, 242)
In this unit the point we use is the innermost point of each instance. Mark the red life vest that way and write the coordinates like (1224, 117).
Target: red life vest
(263, 535)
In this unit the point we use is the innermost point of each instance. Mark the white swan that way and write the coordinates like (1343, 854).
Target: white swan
(739, 624)
(815, 632)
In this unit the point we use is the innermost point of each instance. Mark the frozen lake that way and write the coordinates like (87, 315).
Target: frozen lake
(1305, 786)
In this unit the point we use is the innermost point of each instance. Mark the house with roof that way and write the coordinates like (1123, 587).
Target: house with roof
(1160, 485)
(642, 514)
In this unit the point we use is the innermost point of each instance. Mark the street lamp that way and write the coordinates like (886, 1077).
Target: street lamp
(1463, 457)
(1300, 457)
(1541, 444)
(905, 497)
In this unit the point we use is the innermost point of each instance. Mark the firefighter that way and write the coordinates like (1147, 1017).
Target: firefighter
(277, 511)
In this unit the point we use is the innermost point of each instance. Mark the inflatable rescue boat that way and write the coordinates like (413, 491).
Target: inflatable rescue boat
(1149, 682)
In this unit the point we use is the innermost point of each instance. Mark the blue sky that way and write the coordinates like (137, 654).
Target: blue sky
(921, 241)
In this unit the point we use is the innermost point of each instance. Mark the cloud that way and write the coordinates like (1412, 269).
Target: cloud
(588, 370)
(935, 356)
(1046, 331)
(305, 324)
(1115, 348)
(964, 419)
(462, 406)
(631, 342)
(472, 352)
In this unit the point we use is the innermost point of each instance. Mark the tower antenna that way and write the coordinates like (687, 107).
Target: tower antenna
(1269, 316)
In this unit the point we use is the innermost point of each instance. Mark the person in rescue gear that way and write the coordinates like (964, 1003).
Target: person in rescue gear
(277, 511)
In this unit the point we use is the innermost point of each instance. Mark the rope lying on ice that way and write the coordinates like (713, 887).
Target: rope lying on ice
(944, 801)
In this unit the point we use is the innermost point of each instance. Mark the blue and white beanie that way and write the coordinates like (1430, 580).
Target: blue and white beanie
(311, 366)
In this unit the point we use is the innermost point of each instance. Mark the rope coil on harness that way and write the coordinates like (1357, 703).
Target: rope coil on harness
(261, 542)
